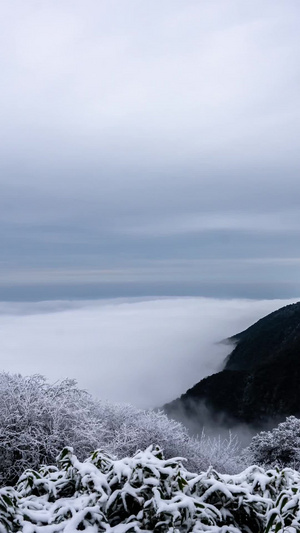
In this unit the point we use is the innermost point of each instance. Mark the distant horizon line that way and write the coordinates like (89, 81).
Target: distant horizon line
(38, 292)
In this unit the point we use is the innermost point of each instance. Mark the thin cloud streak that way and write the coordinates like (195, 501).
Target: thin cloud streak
(278, 222)
(158, 270)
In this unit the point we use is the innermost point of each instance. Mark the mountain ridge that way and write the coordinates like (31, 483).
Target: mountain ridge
(260, 380)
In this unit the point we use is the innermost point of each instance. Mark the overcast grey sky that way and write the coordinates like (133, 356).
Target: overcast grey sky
(150, 141)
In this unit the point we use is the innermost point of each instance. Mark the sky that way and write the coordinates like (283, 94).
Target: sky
(150, 148)
(141, 351)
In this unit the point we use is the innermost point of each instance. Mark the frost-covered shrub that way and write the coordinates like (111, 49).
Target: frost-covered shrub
(148, 493)
(224, 454)
(129, 429)
(280, 446)
(139, 429)
(38, 419)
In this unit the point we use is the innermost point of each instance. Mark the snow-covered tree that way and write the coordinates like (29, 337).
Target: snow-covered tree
(38, 419)
(280, 446)
(128, 429)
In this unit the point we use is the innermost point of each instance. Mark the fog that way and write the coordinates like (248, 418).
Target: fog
(142, 351)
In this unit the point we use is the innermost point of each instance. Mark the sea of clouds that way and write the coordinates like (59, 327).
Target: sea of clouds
(142, 351)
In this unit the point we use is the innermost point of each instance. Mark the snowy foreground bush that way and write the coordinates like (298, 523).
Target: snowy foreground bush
(147, 492)
(280, 446)
(38, 419)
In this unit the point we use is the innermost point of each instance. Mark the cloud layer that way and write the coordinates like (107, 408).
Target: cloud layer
(135, 132)
(145, 352)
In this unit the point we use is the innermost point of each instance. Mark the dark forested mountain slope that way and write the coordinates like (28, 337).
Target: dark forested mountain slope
(271, 335)
(261, 377)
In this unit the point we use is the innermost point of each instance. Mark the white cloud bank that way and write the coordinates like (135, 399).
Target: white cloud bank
(145, 352)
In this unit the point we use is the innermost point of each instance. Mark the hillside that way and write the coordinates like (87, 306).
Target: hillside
(260, 379)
